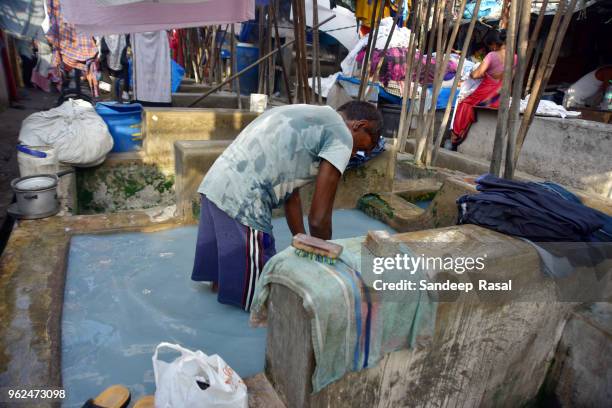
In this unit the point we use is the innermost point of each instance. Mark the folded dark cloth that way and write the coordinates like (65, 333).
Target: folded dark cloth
(540, 213)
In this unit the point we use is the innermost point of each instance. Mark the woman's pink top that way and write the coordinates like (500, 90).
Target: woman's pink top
(496, 66)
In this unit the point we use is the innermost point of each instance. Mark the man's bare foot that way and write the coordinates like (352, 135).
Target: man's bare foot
(214, 287)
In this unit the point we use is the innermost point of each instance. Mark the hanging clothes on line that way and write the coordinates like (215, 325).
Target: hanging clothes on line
(152, 68)
(70, 48)
(90, 17)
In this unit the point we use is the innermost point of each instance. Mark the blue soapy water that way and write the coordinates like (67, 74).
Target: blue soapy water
(125, 293)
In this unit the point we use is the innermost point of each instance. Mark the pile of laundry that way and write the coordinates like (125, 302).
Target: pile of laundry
(541, 212)
(565, 233)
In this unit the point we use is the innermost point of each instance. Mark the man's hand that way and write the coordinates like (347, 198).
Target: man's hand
(320, 216)
(293, 213)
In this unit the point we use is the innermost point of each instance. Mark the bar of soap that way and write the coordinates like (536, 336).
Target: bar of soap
(316, 246)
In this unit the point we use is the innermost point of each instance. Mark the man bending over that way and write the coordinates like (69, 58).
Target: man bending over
(282, 150)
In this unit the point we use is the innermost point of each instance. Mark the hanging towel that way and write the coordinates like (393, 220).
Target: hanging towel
(351, 330)
(152, 69)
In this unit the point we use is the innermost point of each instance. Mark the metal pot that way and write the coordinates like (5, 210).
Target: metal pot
(37, 195)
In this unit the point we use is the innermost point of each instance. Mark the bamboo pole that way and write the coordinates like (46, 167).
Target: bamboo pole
(254, 64)
(297, 50)
(445, 45)
(504, 103)
(278, 48)
(429, 113)
(234, 63)
(261, 42)
(386, 47)
(373, 35)
(417, 74)
(407, 77)
(304, 54)
(421, 136)
(271, 64)
(523, 28)
(449, 105)
(546, 71)
(533, 40)
(316, 63)
(449, 48)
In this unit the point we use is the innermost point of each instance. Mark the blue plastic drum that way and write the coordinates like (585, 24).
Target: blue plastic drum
(124, 123)
(247, 54)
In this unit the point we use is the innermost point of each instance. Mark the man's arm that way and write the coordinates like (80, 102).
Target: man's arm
(320, 216)
(293, 213)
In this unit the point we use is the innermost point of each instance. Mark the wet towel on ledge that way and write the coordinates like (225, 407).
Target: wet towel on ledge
(352, 327)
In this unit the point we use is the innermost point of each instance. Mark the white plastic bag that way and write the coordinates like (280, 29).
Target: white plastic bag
(78, 134)
(177, 382)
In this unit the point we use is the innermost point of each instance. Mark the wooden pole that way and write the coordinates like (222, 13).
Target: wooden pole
(546, 70)
(234, 62)
(407, 77)
(443, 54)
(296, 50)
(316, 63)
(447, 54)
(504, 103)
(373, 35)
(523, 29)
(421, 136)
(386, 47)
(261, 72)
(245, 69)
(278, 48)
(449, 105)
(271, 64)
(533, 40)
(429, 113)
(417, 72)
(302, 4)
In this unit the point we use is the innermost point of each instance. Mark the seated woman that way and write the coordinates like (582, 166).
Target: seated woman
(491, 70)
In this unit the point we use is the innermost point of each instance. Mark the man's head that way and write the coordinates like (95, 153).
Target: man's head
(365, 123)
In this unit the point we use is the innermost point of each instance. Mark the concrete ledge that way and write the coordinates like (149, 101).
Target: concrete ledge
(581, 375)
(164, 126)
(572, 152)
(451, 163)
(194, 88)
(222, 100)
(33, 268)
(482, 354)
(194, 158)
(403, 216)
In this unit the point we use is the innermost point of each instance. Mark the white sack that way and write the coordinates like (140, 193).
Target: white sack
(78, 134)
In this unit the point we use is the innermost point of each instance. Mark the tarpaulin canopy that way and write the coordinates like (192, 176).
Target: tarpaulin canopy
(91, 17)
(122, 2)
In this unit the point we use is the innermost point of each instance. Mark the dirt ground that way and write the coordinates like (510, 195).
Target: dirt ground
(33, 100)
